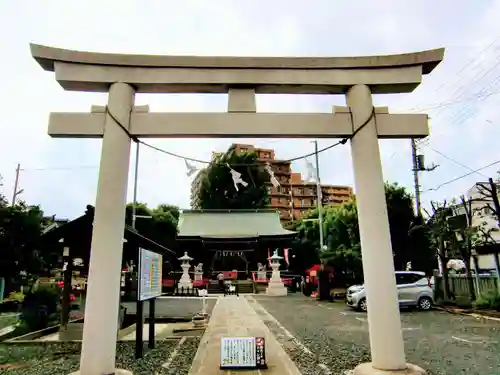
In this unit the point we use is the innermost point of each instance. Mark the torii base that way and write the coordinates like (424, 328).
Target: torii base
(117, 372)
(368, 369)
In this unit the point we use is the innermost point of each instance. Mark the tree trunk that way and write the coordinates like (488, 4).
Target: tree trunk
(443, 259)
(470, 281)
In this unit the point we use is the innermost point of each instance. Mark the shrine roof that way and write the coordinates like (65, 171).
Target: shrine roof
(229, 224)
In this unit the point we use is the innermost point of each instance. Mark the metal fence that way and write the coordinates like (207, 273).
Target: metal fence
(459, 286)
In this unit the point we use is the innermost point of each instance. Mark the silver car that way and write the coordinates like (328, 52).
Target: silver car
(414, 290)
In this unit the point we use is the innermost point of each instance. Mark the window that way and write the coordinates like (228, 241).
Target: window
(407, 278)
(243, 149)
(267, 155)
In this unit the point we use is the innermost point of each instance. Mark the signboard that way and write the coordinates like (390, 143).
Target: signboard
(150, 268)
(242, 353)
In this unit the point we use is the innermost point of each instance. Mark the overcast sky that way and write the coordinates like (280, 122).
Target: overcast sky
(61, 174)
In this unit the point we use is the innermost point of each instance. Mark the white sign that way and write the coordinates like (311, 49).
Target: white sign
(242, 352)
(150, 273)
(238, 352)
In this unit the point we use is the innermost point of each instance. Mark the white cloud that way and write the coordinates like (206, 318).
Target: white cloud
(229, 28)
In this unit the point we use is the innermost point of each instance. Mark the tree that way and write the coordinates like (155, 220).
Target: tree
(161, 227)
(422, 255)
(467, 233)
(20, 241)
(401, 218)
(213, 188)
(489, 193)
(440, 235)
(410, 243)
(343, 243)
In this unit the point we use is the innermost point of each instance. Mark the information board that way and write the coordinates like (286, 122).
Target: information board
(242, 352)
(150, 274)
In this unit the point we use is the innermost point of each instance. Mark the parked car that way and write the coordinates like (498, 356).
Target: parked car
(414, 290)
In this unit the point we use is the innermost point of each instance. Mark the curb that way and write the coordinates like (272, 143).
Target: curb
(465, 313)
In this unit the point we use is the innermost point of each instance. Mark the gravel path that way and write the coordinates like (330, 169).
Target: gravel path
(330, 338)
(63, 358)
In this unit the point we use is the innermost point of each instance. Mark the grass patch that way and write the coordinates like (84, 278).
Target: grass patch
(64, 358)
(7, 320)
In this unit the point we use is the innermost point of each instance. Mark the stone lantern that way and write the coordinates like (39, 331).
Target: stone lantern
(276, 286)
(185, 281)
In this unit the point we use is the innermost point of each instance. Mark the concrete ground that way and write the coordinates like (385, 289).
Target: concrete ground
(173, 307)
(330, 338)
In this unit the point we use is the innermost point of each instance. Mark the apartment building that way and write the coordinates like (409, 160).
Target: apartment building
(304, 195)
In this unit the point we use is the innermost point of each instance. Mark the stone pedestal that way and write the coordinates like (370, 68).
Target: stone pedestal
(368, 369)
(276, 286)
(198, 276)
(116, 372)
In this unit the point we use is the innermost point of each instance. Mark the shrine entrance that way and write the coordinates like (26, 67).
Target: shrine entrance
(231, 240)
(227, 260)
(120, 122)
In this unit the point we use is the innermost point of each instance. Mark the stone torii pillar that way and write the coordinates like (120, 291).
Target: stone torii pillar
(241, 78)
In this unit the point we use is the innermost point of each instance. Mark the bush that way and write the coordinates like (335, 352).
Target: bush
(488, 301)
(15, 297)
(40, 308)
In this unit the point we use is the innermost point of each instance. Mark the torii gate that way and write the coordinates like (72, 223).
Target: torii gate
(241, 77)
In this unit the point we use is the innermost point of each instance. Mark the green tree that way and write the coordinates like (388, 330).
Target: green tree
(440, 237)
(343, 242)
(422, 256)
(161, 227)
(401, 216)
(213, 188)
(20, 241)
(306, 245)
(409, 242)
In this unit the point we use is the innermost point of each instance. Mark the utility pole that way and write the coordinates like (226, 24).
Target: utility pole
(418, 166)
(319, 199)
(415, 176)
(16, 185)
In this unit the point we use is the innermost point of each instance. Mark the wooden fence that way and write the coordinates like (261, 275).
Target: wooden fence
(459, 286)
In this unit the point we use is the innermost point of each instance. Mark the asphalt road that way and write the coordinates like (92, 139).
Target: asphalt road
(330, 338)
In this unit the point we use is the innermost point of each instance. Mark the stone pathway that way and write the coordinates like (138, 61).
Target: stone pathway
(234, 317)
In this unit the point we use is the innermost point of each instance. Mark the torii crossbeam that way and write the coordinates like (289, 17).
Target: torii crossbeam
(242, 78)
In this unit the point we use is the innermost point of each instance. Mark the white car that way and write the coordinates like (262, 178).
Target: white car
(414, 290)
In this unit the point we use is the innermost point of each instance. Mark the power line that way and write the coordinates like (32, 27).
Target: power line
(463, 176)
(453, 102)
(455, 161)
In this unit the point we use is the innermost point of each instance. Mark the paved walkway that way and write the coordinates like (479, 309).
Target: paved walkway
(234, 317)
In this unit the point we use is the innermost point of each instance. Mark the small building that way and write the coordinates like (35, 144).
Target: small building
(227, 240)
(72, 241)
